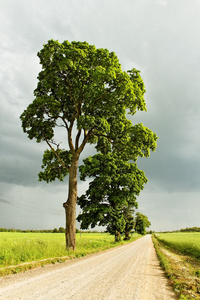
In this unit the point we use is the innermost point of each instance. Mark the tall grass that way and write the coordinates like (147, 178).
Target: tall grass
(184, 243)
(17, 248)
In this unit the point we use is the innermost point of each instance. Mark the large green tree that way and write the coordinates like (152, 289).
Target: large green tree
(83, 92)
(111, 194)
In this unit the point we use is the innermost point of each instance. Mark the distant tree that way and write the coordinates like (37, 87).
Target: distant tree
(61, 230)
(111, 194)
(191, 229)
(141, 223)
(55, 230)
(84, 92)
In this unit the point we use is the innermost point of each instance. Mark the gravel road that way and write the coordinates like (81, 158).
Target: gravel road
(129, 272)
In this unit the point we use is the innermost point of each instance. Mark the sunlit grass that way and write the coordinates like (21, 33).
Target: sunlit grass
(179, 254)
(17, 247)
(185, 243)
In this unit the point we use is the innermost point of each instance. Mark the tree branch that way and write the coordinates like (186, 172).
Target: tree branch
(77, 139)
(71, 146)
(56, 154)
(85, 140)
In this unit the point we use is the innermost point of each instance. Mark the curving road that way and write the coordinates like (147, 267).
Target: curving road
(127, 272)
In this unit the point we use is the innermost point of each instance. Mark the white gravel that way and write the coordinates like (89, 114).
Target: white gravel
(129, 272)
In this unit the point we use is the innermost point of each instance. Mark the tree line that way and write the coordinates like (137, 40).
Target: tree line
(55, 230)
(131, 224)
(191, 229)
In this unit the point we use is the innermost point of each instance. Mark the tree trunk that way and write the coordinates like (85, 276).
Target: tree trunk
(117, 236)
(70, 205)
(127, 237)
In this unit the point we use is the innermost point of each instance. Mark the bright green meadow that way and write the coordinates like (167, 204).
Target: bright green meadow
(182, 242)
(17, 247)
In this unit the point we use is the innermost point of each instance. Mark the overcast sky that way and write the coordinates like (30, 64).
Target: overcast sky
(161, 38)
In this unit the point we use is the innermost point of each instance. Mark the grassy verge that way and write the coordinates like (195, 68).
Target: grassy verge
(187, 243)
(24, 251)
(183, 271)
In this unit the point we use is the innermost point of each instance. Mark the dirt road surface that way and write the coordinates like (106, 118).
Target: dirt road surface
(128, 272)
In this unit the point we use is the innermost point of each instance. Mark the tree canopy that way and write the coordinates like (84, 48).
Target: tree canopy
(83, 96)
(141, 223)
(112, 192)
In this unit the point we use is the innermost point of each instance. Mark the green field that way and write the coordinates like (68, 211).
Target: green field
(17, 247)
(182, 242)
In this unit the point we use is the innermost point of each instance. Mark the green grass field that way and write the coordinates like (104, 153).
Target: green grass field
(17, 247)
(184, 243)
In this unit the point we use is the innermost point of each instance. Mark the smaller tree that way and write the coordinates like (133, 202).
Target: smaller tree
(129, 221)
(141, 223)
(116, 222)
(116, 183)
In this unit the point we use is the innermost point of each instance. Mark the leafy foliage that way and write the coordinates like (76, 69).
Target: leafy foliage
(190, 229)
(116, 222)
(141, 223)
(111, 194)
(56, 164)
(83, 93)
(129, 219)
(85, 87)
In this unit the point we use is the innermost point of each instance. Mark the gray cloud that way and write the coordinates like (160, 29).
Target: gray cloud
(158, 37)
